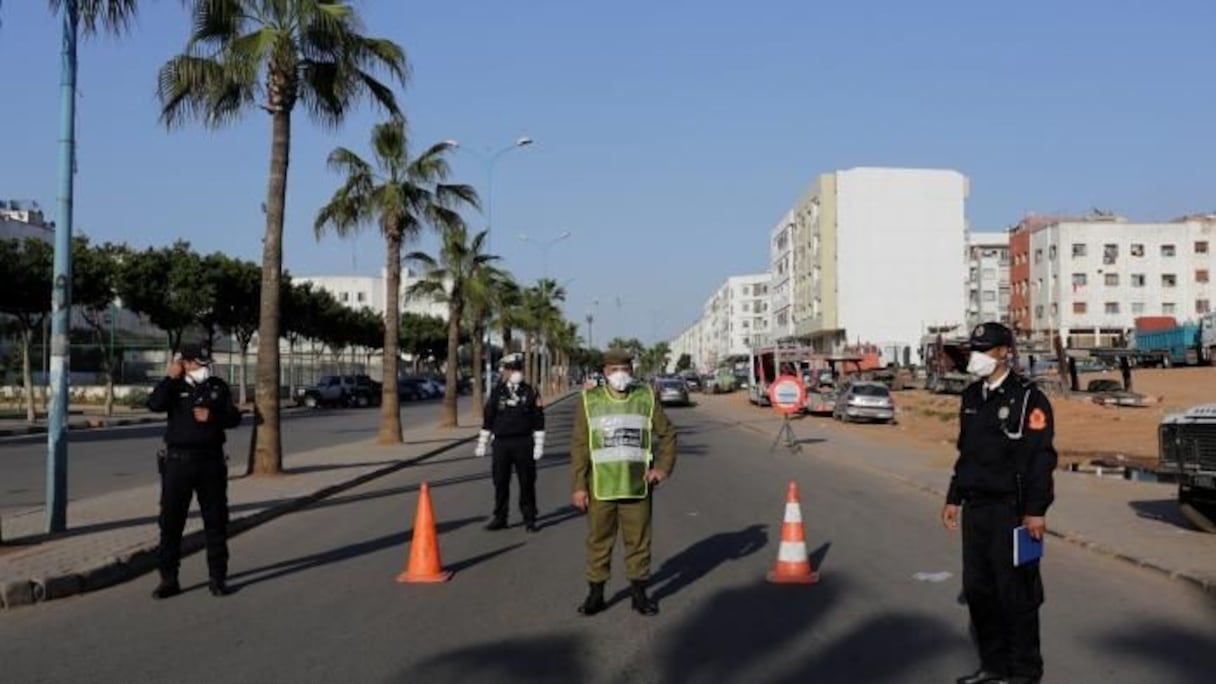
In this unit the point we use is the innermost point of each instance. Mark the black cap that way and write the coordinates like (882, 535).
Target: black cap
(198, 353)
(990, 336)
(512, 362)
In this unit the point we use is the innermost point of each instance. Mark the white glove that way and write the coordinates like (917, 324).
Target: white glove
(538, 449)
(483, 441)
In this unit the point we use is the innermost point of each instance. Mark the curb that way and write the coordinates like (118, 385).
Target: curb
(1207, 585)
(130, 563)
(109, 423)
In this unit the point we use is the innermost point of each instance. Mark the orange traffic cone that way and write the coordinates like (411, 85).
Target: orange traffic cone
(793, 565)
(424, 565)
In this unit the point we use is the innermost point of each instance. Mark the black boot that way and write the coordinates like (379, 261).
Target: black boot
(218, 587)
(642, 603)
(595, 600)
(496, 524)
(167, 588)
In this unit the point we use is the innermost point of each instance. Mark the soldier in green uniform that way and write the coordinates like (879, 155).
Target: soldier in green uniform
(623, 446)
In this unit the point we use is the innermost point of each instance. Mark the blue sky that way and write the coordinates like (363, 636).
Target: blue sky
(671, 135)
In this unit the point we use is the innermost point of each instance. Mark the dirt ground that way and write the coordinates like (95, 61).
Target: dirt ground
(1084, 431)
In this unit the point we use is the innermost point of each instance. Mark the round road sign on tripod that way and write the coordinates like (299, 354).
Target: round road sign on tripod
(787, 394)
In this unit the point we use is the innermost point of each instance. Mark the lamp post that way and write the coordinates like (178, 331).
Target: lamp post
(490, 159)
(545, 246)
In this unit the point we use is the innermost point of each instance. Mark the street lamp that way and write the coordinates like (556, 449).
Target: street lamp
(489, 159)
(544, 248)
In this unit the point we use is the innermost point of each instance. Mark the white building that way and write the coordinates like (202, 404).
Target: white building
(734, 319)
(885, 258)
(781, 292)
(1090, 280)
(357, 291)
(987, 278)
(21, 219)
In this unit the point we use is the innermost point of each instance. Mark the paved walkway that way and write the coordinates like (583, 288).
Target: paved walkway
(1134, 521)
(113, 537)
(94, 417)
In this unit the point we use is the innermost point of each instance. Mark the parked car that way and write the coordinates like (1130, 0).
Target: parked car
(340, 390)
(412, 389)
(869, 401)
(693, 383)
(671, 391)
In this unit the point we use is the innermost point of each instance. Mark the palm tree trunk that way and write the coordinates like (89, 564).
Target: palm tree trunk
(528, 358)
(268, 456)
(478, 390)
(450, 418)
(27, 374)
(243, 376)
(390, 401)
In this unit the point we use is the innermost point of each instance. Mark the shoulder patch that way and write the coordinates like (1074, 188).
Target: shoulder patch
(1037, 420)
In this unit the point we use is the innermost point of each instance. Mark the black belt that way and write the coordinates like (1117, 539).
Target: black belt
(175, 453)
(982, 497)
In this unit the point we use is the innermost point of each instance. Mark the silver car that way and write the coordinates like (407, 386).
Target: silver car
(870, 401)
(672, 391)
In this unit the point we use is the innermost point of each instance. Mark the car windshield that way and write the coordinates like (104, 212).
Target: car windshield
(671, 384)
(871, 391)
(328, 380)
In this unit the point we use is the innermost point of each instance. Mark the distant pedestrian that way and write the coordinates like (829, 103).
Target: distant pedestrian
(514, 423)
(1002, 479)
(622, 447)
(200, 409)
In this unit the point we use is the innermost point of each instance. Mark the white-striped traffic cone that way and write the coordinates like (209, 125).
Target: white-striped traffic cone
(793, 564)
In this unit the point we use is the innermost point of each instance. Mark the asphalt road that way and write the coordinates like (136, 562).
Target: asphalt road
(106, 460)
(317, 600)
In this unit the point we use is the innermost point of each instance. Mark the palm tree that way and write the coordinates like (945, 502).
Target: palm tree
(480, 295)
(246, 54)
(449, 279)
(402, 195)
(542, 316)
(507, 310)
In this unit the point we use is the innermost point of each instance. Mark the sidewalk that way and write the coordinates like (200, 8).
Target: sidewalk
(1137, 522)
(113, 537)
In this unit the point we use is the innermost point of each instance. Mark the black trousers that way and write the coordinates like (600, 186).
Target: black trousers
(182, 476)
(514, 452)
(1004, 600)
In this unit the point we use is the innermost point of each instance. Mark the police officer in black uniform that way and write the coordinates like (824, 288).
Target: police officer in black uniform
(515, 423)
(1002, 479)
(200, 408)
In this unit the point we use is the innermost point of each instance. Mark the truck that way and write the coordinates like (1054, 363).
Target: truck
(1162, 345)
(1187, 452)
(766, 363)
(945, 360)
(1207, 339)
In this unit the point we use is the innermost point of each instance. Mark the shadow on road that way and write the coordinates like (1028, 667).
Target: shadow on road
(1162, 510)
(558, 517)
(695, 562)
(343, 553)
(1178, 655)
(556, 658)
(300, 470)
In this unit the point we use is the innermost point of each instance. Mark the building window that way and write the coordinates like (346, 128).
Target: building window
(747, 307)
(1055, 309)
(1201, 247)
(989, 296)
(1079, 249)
(345, 297)
(1112, 279)
(1051, 253)
(361, 297)
(1168, 308)
(1137, 308)
(1169, 280)
(1110, 254)
(1112, 307)
(1136, 250)
(1079, 280)
(1201, 276)
(1038, 311)
(1167, 250)
(988, 274)
(1203, 306)
(1137, 280)
(1079, 307)
(1038, 256)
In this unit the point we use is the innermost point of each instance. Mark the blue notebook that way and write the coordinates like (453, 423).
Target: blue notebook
(1025, 549)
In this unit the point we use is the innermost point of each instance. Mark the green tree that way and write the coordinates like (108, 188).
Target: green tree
(237, 290)
(484, 282)
(423, 337)
(95, 271)
(273, 55)
(542, 315)
(402, 195)
(167, 285)
(447, 280)
(26, 296)
(684, 363)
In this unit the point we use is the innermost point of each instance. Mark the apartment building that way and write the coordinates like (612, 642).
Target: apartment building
(988, 288)
(21, 219)
(359, 291)
(782, 295)
(1090, 279)
(734, 319)
(863, 238)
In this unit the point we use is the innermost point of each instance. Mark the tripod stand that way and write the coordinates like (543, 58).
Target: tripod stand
(786, 437)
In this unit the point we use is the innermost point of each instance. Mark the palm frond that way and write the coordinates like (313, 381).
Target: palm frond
(111, 16)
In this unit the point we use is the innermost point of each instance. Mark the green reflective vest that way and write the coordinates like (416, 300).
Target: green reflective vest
(620, 437)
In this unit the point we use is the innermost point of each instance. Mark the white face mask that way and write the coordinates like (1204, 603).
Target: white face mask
(981, 364)
(619, 381)
(199, 375)
(515, 378)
